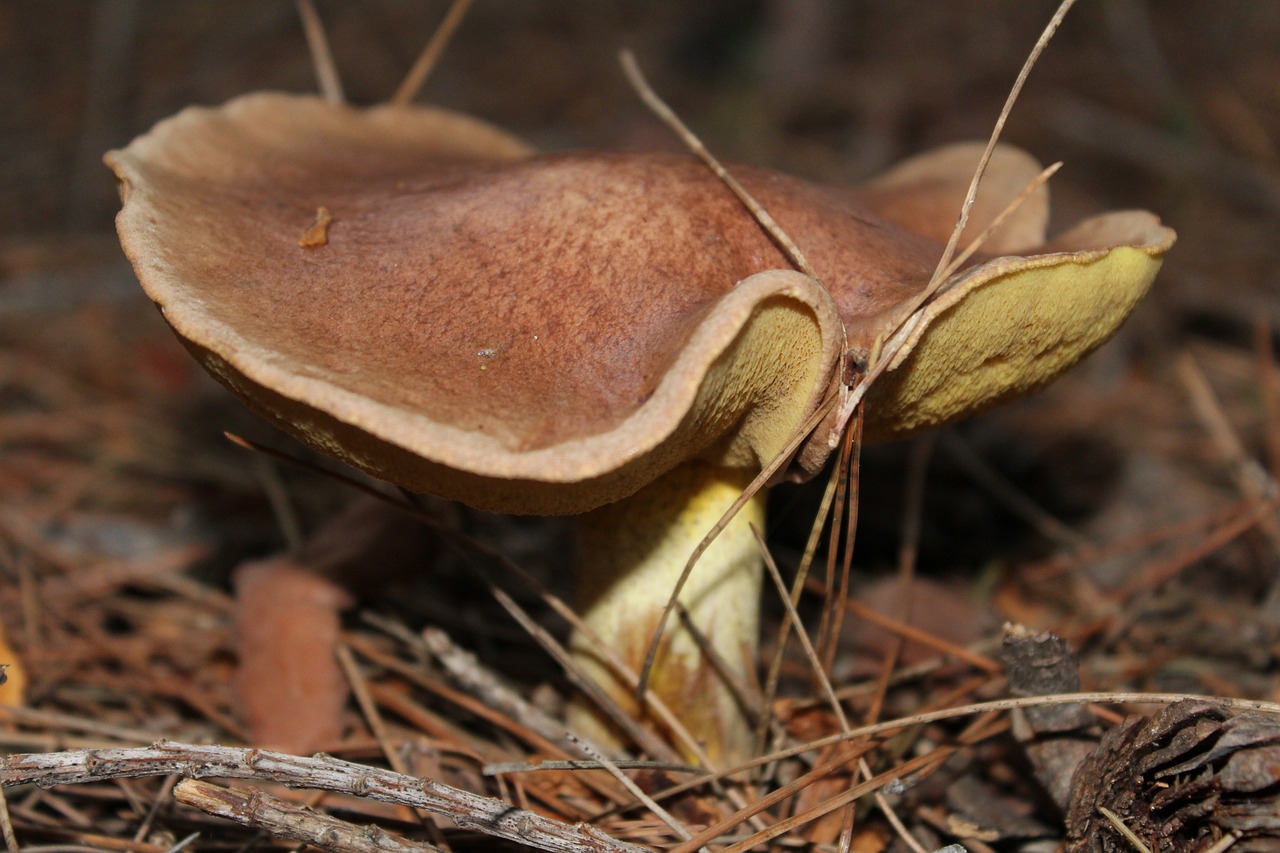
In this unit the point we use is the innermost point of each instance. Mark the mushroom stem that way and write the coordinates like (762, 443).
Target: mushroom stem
(632, 553)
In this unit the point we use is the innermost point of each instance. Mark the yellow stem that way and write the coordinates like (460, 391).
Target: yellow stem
(632, 552)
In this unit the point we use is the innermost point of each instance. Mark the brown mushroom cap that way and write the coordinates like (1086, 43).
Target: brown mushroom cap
(530, 334)
(494, 330)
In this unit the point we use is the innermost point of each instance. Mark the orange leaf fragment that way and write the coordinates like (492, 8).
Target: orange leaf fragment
(317, 233)
(13, 676)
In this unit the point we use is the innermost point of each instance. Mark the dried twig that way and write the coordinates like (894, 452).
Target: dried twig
(773, 678)
(976, 708)
(64, 723)
(716, 830)
(258, 810)
(842, 799)
(322, 772)
(765, 475)
(464, 669)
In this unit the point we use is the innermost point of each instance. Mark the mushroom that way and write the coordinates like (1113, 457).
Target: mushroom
(610, 335)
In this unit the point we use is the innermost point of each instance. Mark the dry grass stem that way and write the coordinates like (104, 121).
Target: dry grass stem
(431, 53)
(321, 56)
(900, 336)
(773, 677)
(815, 664)
(1251, 477)
(6, 825)
(659, 107)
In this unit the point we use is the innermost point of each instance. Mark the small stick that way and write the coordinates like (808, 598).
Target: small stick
(1153, 575)
(886, 808)
(774, 675)
(368, 707)
(321, 56)
(1009, 209)
(322, 772)
(426, 62)
(464, 669)
(373, 719)
(917, 635)
(994, 705)
(157, 802)
(908, 549)
(258, 810)
(1226, 842)
(746, 693)
(504, 767)
(63, 723)
(844, 514)
(1041, 43)
(642, 737)
(1251, 477)
(551, 742)
(921, 453)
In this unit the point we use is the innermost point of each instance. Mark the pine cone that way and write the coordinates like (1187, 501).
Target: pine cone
(1181, 781)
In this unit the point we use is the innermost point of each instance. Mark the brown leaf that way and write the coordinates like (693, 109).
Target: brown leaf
(290, 686)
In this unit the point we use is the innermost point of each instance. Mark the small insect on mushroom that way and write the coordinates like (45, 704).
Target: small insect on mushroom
(687, 355)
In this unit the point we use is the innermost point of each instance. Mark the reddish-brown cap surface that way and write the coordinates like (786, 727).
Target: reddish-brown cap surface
(538, 334)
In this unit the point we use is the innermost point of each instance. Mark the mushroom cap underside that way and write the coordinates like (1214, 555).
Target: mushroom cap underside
(1014, 324)
(526, 334)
